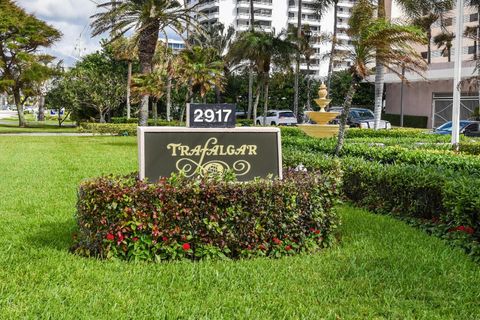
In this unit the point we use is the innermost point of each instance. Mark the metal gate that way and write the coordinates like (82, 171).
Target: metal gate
(443, 104)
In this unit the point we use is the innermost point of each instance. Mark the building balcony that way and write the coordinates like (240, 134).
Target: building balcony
(202, 17)
(207, 5)
(346, 3)
(258, 4)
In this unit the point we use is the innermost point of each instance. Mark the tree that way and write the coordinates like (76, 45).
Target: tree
(216, 37)
(125, 49)
(425, 23)
(321, 7)
(147, 18)
(200, 69)
(62, 96)
(264, 49)
(22, 69)
(368, 34)
(445, 40)
(297, 58)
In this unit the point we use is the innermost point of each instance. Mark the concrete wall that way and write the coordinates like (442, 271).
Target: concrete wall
(417, 97)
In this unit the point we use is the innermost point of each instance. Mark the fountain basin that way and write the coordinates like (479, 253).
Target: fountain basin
(321, 118)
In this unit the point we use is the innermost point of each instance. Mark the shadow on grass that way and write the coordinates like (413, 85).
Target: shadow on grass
(54, 235)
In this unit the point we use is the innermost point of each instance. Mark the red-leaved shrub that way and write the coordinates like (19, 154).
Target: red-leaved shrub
(178, 218)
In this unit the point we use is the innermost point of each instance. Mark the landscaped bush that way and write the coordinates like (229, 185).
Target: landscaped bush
(469, 148)
(176, 218)
(408, 120)
(393, 133)
(151, 122)
(127, 129)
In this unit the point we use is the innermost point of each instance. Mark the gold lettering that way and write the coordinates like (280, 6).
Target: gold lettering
(253, 150)
(231, 150)
(184, 150)
(213, 151)
(174, 146)
(196, 151)
(241, 151)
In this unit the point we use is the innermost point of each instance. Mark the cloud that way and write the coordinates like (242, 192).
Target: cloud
(72, 18)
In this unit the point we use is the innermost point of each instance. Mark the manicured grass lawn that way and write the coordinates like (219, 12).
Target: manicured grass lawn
(382, 269)
(34, 127)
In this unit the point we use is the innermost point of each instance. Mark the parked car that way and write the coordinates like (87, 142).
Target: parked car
(466, 127)
(360, 118)
(278, 118)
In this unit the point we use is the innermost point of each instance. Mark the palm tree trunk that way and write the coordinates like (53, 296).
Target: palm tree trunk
(41, 108)
(343, 117)
(129, 81)
(297, 58)
(309, 82)
(250, 92)
(155, 112)
(379, 83)
(429, 45)
(334, 44)
(147, 45)
(255, 106)
(380, 74)
(169, 97)
(449, 52)
(250, 68)
(265, 97)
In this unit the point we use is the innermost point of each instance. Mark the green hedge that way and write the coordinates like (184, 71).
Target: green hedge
(447, 198)
(127, 129)
(408, 121)
(177, 218)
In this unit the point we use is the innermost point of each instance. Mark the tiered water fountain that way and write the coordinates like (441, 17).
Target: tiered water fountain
(321, 127)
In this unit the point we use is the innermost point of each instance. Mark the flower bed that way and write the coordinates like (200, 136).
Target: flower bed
(177, 218)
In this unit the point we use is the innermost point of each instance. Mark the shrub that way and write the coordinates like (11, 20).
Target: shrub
(127, 129)
(393, 133)
(408, 120)
(122, 217)
(469, 148)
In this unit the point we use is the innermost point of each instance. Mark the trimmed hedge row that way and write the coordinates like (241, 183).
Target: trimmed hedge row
(446, 159)
(177, 218)
(405, 190)
(408, 120)
(127, 129)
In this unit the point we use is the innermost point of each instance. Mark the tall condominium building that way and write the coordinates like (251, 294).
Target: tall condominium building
(270, 15)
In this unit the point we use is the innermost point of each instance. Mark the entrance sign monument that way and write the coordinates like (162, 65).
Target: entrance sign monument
(249, 152)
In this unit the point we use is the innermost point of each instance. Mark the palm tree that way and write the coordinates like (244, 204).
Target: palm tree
(147, 18)
(321, 7)
(445, 40)
(216, 37)
(425, 23)
(125, 50)
(297, 59)
(264, 49)
(368, 34)
(152, 84)
(200, 70)
(306, 50)
(250, 67)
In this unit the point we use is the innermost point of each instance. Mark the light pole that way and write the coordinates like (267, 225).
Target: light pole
(457, 75)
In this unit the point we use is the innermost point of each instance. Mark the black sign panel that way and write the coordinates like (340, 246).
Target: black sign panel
(211, 115)
(248, 152)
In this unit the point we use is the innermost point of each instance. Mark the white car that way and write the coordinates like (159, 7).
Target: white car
(278, 118)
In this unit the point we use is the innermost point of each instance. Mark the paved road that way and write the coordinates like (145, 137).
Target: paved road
(8, 114)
